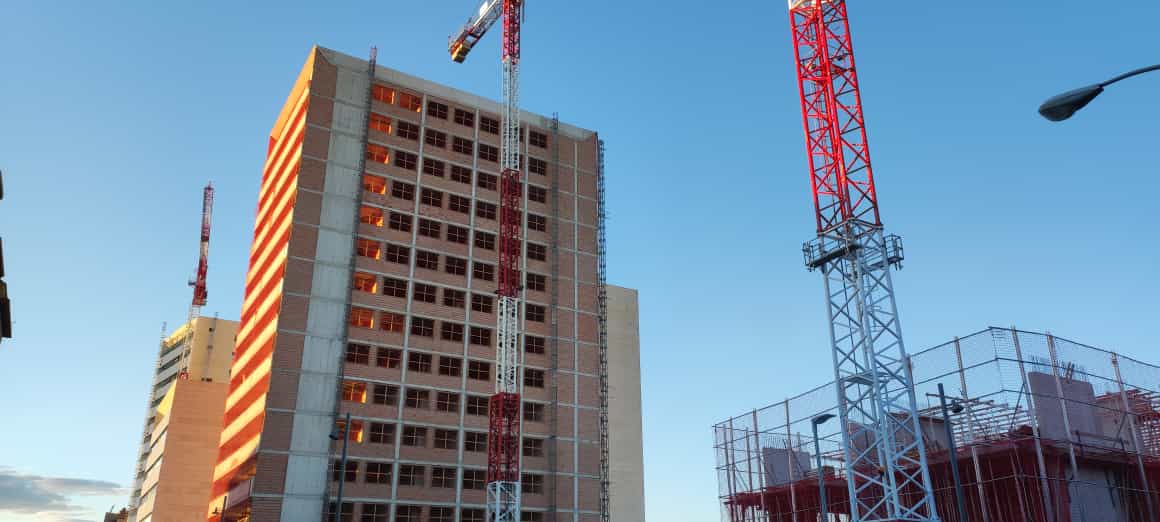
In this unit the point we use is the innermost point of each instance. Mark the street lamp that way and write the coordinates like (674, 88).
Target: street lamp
(1061, 106)
(334, 435)
(820, 419)
(954, 455)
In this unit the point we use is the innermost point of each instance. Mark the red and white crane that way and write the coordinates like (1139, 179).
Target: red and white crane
(198, 282)
(503, 440)
(885, 459)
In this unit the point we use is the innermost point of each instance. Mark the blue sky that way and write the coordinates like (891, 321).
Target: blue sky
(113, 115)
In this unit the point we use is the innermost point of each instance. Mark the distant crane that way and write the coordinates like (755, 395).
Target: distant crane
(198, 282)
(503, 441)
(885, 460)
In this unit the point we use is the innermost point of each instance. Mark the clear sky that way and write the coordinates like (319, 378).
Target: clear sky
(113, 115)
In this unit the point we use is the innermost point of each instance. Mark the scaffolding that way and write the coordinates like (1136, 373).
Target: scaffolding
(1044, 429)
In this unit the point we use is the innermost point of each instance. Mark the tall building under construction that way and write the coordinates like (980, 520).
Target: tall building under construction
(371, 291)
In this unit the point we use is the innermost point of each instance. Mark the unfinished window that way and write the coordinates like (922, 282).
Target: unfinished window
(460, 204)
(423, 327)
(454, 265)
(442, 477)
(433, 167)
(398, 254)
(410, 102)
(347, 512)
(481, 303)
(454, 298)
(368, 248)
(392, 322)
(476, 405)
(462, 145)
(538, 166)
(446, 439)
(365, 282)
(451, 332)
(487, 181)
(534, 312)
(537, 252)
(461, 174)
(378, 473)
(537, 194)
(410, 474)
(480, 336)
(485, 210)
(406, 160)
(537, 282)
(533, 412)
(428, 228)
(409, 513)
(354, 391)
(394, 287)
(479, 370)
(488, 152)
(358, 353)
(432, 197)
(418, 399)
(371, 216)
(537, 222)
(414, 436)
(533, 447)
(374, 512)
(442, 513)
(425, 292)
(382, 433)
(383, 93)
(362, 317)
(435, 138)
(380, 123)
(533, 484)
(483, 271)
(538, 139)
(532, 516)
(489, 125)
(447, 401)
(485, 240)
(456, 234)
(533, 378)
(402, 190)
(400, 222)
(388, 358)
(337, 473)
(534, 344)
(471, 515)
(407, 130)
(378, 154)
(355, 433)
(463, 117)
(474, 479)
(437, 110)
(385, 394)
(374, 184)
(428, 260)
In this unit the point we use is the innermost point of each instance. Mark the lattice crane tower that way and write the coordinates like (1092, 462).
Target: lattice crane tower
(886, 469)
(503, 440)
(198, 282)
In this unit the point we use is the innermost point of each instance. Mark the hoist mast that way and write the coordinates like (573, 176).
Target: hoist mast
(885, 459)
(198, 282)
(503, 441)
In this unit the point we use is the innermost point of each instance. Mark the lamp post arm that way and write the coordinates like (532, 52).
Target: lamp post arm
(1130, 74)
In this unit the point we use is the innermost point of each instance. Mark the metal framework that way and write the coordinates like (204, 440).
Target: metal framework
(602, 318)
(198, 282)
(503, 449)
(884, 453)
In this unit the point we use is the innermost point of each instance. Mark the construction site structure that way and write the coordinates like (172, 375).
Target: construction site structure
(1043, 429)
(503, 450)
(884, 454)
(198, 283)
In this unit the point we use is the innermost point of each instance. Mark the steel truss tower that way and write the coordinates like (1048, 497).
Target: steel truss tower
(503, 440)
(885, 459)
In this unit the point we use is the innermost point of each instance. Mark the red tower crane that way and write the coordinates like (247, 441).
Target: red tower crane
(885, 459)
(198, 282)
(503, 441)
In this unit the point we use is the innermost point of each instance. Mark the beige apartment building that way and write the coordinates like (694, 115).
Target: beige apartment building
(371, 291)
(208, 348)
